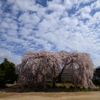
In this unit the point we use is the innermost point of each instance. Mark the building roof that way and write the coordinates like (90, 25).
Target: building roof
(98, 67)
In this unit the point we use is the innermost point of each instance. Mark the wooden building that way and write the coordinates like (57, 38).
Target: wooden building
(97, 73)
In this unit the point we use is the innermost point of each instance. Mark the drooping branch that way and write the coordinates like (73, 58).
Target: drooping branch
(39, 63)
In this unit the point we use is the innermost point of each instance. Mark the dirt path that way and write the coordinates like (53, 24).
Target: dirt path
(51, 96)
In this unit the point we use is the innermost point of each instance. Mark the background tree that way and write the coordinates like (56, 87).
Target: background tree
(7, 73)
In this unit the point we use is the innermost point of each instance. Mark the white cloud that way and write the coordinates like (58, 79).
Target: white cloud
(95, 5)
(10, 56)
(11, 1)
(29, 18)
(25, 5)
(68, 4)
(57, 27)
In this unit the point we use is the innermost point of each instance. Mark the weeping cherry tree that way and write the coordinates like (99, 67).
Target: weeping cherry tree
(36, 65)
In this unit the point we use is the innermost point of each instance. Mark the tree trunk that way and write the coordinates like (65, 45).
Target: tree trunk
(54, 83)
(44, 82)
(75, 83)
(59, 78)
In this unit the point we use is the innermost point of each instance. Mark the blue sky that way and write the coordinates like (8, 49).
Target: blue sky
(52, 25)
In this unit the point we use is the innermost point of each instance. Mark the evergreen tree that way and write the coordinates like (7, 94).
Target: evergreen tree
(7, 73)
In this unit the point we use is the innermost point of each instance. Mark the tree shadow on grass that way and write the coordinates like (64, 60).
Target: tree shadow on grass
(17, 89)
(14, 88)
